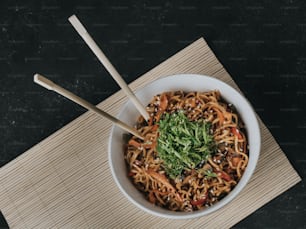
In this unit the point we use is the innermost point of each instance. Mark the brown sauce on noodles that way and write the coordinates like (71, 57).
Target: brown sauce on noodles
(192, 190)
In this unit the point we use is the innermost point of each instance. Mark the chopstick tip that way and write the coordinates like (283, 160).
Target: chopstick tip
(72, 17)
(44, 82)
(36, 77)
(75, 22)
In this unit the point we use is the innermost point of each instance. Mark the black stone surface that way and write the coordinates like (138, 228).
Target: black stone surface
(261, 44)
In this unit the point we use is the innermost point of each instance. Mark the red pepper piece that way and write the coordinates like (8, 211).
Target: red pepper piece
(223, 175)
(199, 201)
(236, 132)
(131, 174)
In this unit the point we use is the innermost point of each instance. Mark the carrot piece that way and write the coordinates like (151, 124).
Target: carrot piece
(131, 174)
(163, 102)
(224, 176)
(152, 198)
(235, 161)
(200, 201)
(192, 103)
(154, 127)
(162, 107)
(158, 115)
(134, 143)
(236, 132)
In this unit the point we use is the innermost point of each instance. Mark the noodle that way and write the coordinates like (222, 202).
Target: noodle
(214, 177)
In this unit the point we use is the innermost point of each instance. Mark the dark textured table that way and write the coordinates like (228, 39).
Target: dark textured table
(261, 44)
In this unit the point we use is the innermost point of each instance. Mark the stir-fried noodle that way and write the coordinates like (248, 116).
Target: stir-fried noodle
(205, 183)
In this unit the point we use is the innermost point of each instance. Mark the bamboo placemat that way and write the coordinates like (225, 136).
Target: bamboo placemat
(65, 180)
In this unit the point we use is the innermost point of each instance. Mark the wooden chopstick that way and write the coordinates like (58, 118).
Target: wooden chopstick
(107, 64)
(43, 81)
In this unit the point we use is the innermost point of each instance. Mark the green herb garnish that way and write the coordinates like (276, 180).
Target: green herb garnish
(207, 173)
(182, 144)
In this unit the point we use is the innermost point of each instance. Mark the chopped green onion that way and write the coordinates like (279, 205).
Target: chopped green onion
(182, 144)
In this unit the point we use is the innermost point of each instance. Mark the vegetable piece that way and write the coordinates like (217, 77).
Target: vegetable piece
(236, 132)
(206, 170)
(134, 143)
(162, 107)
(183, 144)
(131, 174)
(223, 175)
(163, 102)
(199, 201)
(209, 173)
(193, 103)
(158, 115)
(235, 161)
(152, 197)
(154, 127)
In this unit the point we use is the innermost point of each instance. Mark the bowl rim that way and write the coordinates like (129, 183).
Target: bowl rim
(256, 133)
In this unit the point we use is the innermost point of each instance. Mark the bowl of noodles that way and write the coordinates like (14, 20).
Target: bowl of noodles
(200, 147)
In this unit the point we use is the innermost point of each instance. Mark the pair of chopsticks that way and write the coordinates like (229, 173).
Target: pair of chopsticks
(48, 84)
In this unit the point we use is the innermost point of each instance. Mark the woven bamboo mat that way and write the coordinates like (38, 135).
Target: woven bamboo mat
(65, 181)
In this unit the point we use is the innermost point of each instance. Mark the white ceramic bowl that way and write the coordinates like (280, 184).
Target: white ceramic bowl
(185, 82)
